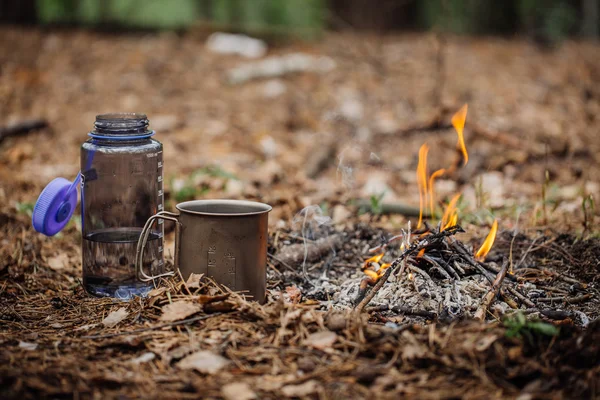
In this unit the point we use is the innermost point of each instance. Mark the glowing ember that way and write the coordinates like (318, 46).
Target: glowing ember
(488, 242)
(450, 217)
(371, 274)
(374, 259)
(422, 181)
(410, 276)
(458, 122)
(432, 178)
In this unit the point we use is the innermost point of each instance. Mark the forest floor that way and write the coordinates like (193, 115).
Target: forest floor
(315, 145)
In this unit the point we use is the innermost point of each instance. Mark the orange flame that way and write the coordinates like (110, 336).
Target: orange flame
(422, 181)
(488, 242)
(374, 259)
(371, 274)
(458, 122)
(432, 178)
(450, 217)
(383, 268)
(421, 252)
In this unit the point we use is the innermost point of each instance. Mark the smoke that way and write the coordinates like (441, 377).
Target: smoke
(312, 223)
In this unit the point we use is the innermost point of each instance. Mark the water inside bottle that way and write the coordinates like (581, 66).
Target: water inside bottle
(109, 262)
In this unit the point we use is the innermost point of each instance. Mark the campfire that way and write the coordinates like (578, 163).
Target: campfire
(437, 251)
(430, 273)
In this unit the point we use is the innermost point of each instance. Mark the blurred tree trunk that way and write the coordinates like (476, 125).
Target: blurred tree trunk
(591, 18)
(18, 12)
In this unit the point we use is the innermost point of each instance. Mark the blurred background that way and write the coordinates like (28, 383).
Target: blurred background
(304, 102)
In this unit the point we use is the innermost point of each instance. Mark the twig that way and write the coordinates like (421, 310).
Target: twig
(442, 266)
(22, 127)
(403, 310)
(570, 300)
(492, 293)
(151, 328)
(521, 297)
(421, 244)
(394, 208)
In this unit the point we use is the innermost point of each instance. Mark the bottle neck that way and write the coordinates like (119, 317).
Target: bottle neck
(121, 127)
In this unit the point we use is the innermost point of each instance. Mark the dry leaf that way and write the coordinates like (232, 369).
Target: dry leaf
(179, 310)
(193, 281)
(144, 358)
(203, 361)
(485, 342)
(85, 327)
(321, 340)
(157, 291)
(28, 346)
(292, 294)
(115, 317)
(59, 261)
(237, 391)
(304, 389)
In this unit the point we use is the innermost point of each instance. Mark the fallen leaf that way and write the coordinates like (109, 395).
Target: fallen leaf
(292, 294)
(59, 261)
(485, 342)
(321, 340)
(27, 346)
(304, 389)
(115, 317)
(193, 281)
(85, 327)
(144, 358)
(203, 361)
(206, 299)
(179, 310)
(157, 291)
(237, 391)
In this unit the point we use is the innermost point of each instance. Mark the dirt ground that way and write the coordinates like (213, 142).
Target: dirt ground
(324, 140)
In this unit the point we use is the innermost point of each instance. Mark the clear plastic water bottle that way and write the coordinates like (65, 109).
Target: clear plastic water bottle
(121, 187)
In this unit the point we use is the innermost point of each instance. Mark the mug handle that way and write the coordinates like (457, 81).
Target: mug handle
(139, 254)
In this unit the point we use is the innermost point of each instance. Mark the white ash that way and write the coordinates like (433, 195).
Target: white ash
(456, 298)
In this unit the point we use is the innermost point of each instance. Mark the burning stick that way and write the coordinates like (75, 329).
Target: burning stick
(493, 292)
(413, 248)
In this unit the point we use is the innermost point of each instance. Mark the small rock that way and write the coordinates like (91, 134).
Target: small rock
(321, 340)
(144, 358)
(273, 88)
(304, 389)
(352, 109)
(237, 391)
(204, 361)
(228, 43)
(28, 346)
(336, 322)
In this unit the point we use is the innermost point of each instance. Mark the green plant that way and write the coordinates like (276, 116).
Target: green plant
(589, 207)
(376, 203)
(24, 208)
(517, 326)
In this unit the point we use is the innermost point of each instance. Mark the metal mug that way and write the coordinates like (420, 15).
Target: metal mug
(223, 239)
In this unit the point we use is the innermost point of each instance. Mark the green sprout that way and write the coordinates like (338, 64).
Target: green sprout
(517, 326)
(377, 203)
(25, 208)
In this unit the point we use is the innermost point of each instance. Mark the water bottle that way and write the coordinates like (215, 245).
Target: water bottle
(121, 187)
